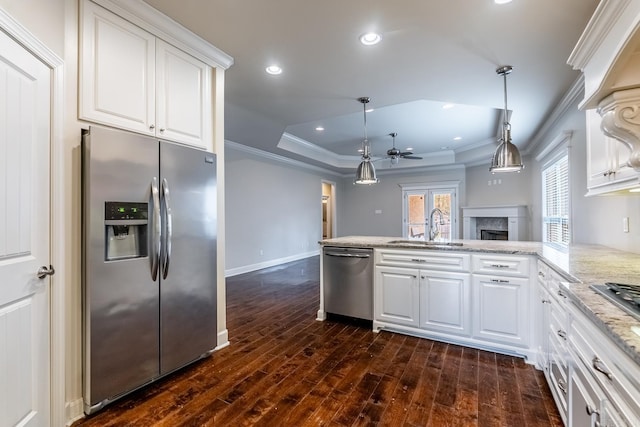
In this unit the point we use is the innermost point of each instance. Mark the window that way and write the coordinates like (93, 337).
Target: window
(555, 200)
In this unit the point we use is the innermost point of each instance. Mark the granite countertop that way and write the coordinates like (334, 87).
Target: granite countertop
(580, 265)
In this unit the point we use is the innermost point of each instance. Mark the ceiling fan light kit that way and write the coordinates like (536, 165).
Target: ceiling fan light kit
(507, 156)
(366, 173)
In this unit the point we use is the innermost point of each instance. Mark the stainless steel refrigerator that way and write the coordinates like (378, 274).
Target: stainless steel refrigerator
(149, 260)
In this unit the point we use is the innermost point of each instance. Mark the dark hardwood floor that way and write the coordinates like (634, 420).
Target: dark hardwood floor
(284, 368)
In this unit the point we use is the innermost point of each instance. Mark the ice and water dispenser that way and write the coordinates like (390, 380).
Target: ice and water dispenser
(126, 230)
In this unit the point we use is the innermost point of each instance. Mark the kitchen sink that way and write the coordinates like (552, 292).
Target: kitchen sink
(423, 243)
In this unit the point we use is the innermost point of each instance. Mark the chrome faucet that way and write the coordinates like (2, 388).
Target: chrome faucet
(434, 227)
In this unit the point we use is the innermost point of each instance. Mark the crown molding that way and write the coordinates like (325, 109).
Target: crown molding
(598, 28)
(304, 148)
(277, 158)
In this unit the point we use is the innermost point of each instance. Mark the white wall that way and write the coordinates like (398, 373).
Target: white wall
(357, 204)
(273, 210)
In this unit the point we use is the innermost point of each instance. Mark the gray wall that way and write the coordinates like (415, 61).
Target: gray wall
(272, 207)
(357, 203)
(595, 220)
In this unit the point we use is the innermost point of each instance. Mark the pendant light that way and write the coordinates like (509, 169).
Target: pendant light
(507, 157)
(366, 173)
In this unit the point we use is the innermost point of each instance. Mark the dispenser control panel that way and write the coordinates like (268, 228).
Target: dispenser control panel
(122, 211)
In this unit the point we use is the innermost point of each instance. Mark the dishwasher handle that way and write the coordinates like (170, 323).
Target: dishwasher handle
(347, 255)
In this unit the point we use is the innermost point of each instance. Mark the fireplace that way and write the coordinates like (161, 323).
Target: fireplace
(502, 222)
(494, 235)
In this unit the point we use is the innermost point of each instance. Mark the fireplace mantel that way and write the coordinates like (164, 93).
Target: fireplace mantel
(516, 218)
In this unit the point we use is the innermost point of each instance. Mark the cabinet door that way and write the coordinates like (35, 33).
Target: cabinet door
(598, 151)
(117, 71)
(445, 302)
(184, 97)
(396, 296)
(501, 309)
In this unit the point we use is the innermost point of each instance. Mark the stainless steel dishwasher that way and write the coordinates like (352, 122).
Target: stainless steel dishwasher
(348, 281)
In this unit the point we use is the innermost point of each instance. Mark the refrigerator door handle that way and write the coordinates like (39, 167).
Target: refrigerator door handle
(167, 228)
(154, 256)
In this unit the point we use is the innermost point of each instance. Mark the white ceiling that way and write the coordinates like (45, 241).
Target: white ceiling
(431, 53)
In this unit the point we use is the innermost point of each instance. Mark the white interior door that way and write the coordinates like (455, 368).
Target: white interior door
(24, 236)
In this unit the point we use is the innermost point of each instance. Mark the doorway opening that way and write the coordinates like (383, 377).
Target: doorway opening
(328, 207)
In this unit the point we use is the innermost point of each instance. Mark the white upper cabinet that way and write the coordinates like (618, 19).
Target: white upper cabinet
(608, 54)
(607, 170)
(183, 97)
(133, 80)
(117, 71)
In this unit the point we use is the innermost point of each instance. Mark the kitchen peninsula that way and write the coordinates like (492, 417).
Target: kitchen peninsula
(526, 299)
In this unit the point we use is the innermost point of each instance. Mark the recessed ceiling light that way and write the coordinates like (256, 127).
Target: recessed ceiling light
(409, 149)
(369, 39)
(501, 1)
(319, 128)
(447, 106)
(457, 138)
(273, 70)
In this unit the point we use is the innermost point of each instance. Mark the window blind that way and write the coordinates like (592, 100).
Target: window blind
(555, 201)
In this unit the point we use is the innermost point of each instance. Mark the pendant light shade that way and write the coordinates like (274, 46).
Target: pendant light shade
(366, 173)
(507, 156)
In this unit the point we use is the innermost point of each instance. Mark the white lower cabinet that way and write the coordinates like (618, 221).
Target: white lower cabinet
(501, 312)
(445, 302)
(468, 299)
(593, 382)
(396, 297)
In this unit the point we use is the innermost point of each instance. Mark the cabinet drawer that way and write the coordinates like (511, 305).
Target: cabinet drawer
(450, 261)
(612, 370)
(501, 265)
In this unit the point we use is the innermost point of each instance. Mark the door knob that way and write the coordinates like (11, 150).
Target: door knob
(44, 271)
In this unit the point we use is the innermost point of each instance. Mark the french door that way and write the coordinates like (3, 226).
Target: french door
(430, 209)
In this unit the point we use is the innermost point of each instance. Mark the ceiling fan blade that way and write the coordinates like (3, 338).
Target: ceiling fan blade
(412, 157)
(406, 153)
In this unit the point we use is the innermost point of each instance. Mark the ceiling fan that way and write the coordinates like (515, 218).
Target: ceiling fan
(394, 154)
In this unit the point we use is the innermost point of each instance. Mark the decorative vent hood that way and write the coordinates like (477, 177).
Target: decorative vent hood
(608, 53)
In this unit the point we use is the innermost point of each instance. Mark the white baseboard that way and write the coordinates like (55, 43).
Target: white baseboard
(253, 267)
(74, 411)
(223, 339)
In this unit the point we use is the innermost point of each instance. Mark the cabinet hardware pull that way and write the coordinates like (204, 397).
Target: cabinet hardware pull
(546, 301)
(499, 281)
(562, 334)
(162, 129)
(418, 260)
(540, 273)
(152, 127)
(562, 294)
(562, 386)
(591, 410)
(599, 366)
(499, 266)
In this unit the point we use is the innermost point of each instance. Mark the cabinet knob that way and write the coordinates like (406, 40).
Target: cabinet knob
(562, 294)
(162, 129)
(562, 334)
(546, 301)
(152, 127)
(540, 273)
